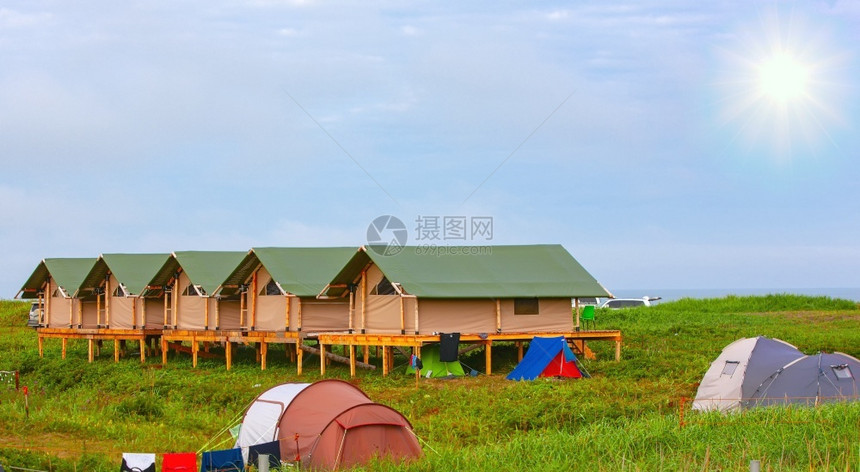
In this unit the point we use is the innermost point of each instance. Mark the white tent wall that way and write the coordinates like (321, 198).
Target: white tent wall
(190, 310)
(57, 314)
(89, 314)
(228, 314)
(260, 423)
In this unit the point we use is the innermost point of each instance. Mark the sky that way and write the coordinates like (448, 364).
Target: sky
(642, 136)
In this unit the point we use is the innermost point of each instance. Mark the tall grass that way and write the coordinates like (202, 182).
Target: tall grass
(83, 416)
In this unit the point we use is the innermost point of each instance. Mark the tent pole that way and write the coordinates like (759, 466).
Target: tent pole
(351, 310)
(243, 302)
(71, 312)
(299, 313)
(254, 302)
(175, 299)
(142, 313)
(166, 308)
(363, 300)
(107, 300)
(498, 316)
(402, 315)
(287, 315)
(133, 313)
(217, 314)
(80, 313)
(206, 313)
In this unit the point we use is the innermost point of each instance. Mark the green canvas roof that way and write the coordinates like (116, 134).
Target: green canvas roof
(476, 272)
(68, 273)
(134, 271)
(208, 269)
(301, 271)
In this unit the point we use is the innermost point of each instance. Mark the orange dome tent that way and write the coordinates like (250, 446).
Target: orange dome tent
(331, 424)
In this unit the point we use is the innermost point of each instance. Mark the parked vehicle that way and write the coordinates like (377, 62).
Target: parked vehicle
(35, 315)
(617, 303)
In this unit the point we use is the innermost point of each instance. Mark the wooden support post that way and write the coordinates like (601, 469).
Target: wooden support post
(195, 347)
(254, 302)
(64, 348)
(107, 300)
(174, 299)
(352, 360)
(390, 358)
(363, 300)
(41, 347)
(142, 313)
(299, 355)
(299, 314)
(166, 306)
(519, 351)
(322, 360)
(264, 351)
(366, 353)
(287, 315)
(384, 361)
(257, 351)
(80, 313)
(416, 315)
(243, 303)
(402, 315)
(351, 310)
(142, 350)
(617, 350)
(498, 316)
(98, 311)
(90, 350)
(291, 350)
(71, 312)
(228, 354)
(116, 350)
(133, 313)
(163, 351)
(206, 313)
(488, 352)
(576, 305)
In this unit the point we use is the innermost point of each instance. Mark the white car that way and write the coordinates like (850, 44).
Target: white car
(616, 303)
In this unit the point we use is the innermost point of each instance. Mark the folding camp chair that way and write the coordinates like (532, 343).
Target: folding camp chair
(587, 316)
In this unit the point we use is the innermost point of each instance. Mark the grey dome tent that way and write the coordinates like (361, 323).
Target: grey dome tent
(811, 380)
(739, 370)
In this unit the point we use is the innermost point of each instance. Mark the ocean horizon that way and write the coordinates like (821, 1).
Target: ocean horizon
(670, 294)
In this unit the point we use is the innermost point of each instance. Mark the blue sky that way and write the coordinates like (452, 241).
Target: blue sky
(635, 134)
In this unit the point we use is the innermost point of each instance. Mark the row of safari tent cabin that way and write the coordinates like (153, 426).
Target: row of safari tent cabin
(335, 296)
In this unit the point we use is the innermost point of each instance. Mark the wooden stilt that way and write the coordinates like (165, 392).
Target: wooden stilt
(322, 360)
(42, 347)
(617, 350)
(64, 348)
(228, 354)
(264, 349)
(116, 350)
(384, 361)
(90, 350)
(257, 351)
(163, 351)
(194, 349)
(366, 354)
(291, 350)
(488, 352)
(351, 360)
(519, 351)
(299, 355)
(143, 350)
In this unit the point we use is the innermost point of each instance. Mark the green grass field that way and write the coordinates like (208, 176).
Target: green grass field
(625, 418)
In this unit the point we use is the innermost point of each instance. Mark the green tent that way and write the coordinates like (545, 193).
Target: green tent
(432, 364)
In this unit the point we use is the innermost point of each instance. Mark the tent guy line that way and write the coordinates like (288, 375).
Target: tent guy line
(335, 141)
(518, 147)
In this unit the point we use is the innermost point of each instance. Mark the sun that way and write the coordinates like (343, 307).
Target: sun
(783, 78)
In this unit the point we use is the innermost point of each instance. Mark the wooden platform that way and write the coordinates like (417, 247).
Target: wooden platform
(118, 336)
(174, 339)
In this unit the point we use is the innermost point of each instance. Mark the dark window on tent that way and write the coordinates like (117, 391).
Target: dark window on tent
(842, 372)
(526, 306)
(271, 288)
(119, 291)
(730, 367)
(192, 291)
(384, 287)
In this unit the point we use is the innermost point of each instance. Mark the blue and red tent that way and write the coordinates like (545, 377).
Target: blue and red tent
(547, 357)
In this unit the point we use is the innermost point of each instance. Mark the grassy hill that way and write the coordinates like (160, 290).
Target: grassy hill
(626, 417)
